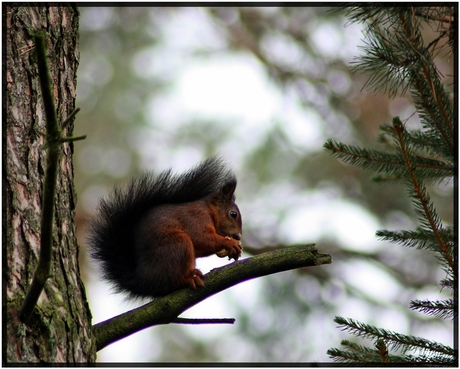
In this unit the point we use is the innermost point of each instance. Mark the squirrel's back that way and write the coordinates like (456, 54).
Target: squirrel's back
(111, 235)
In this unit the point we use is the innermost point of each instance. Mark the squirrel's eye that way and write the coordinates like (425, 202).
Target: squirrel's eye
(233, 214)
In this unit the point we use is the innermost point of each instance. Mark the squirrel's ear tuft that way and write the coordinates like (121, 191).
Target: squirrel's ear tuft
(227, 192)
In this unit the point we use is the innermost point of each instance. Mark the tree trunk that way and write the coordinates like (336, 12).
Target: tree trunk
(59, 330)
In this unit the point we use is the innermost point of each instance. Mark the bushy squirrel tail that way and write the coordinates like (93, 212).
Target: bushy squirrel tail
(111, 231)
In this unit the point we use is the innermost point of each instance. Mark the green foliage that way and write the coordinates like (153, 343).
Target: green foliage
(401, 59)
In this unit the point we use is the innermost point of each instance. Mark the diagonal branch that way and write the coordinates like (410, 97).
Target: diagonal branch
(419, 193)
(166, 309)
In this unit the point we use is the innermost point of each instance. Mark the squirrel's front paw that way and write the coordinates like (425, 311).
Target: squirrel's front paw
(222, 253)
(233, 252)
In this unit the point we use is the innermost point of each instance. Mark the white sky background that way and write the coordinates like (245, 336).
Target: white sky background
(204, 88)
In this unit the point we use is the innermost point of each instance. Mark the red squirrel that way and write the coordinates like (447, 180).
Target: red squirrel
(147, 235)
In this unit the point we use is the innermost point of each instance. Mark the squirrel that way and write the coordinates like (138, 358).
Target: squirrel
(147, 235)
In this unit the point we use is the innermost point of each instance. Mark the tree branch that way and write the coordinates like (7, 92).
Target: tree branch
(420, 194)
(204, 321)
(166, 309)
(53, 142)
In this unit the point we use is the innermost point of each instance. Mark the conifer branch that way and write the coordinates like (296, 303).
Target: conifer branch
(406, 63)
(427, 142)
(421, 195)
(433, 360)
(357, 353)
(394, 340)
(435, 88)
(420, 12)
(423, 82)
(382, 350)
(421, 239)
(441, 309)
(365, 158)
(398, 61)
(389, 164)
(354, 353)
(448, 283)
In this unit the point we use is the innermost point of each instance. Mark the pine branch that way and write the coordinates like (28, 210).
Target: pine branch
(423, 204)
(426, 142)
(389, 164)
(395, 340)
(397, 61)
(365, 158)
(436, 14)
(433, 360)
(441, 309)
(382, 350)
(448, 283)
(429, 94)
(354, 353)
(421, 239)
(357, 353)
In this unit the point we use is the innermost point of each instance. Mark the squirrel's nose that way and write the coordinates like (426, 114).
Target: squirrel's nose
(237, 236)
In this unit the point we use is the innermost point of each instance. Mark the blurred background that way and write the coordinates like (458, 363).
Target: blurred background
(264, 88)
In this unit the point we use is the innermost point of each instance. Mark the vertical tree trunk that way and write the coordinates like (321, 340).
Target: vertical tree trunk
(60, 327)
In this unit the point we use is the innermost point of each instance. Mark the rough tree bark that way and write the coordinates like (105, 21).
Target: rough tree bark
(60, 327)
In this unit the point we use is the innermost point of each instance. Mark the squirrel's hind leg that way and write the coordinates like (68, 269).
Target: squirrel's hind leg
(168, 266)
(191, 276)
(181, 271)
(194, 279)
